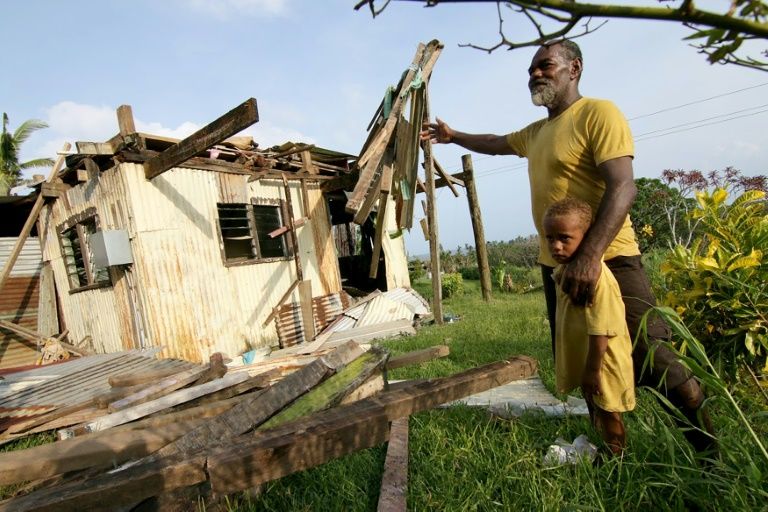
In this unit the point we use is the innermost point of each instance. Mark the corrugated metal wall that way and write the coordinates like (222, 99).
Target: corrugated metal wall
(103, 313)
(193, 304)
(19, 301)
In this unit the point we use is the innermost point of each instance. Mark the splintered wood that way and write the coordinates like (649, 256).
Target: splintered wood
(335, 405)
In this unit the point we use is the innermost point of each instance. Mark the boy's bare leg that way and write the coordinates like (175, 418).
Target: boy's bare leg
(610, 426)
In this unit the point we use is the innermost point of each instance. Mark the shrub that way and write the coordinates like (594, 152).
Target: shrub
(453, 284)
(719, 286)
(416, 270)
(472, 273)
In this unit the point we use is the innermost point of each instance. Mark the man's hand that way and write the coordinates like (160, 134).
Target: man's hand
(437, 132)
(590, 384)
(580, 279)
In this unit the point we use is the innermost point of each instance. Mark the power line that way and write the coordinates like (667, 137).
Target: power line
(702, 125)
(698, 101)
(701, 120)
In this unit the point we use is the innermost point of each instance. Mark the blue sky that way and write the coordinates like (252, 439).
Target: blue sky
(319, 70)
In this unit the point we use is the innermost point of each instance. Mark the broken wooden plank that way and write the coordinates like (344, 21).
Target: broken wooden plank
(284, 229)
(87, 452)
(110, 447)
(94, 148)
(161, 388)
(159, 404)
(424, 228)
(418, 356)
(374, 385)
(280, 302)
(445, 176)
(371, 158)
(305, 303)
(125, 121)
(227, 125)
(381, 218)
(333, 390)
(251, 413)
(394, 482)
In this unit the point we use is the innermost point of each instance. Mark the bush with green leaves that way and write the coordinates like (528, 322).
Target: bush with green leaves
(453, 284)
(416, 270)
(471, 272)
(719, 284)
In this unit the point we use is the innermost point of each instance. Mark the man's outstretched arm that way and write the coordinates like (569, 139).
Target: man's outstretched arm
(488, 144)
(581, 274)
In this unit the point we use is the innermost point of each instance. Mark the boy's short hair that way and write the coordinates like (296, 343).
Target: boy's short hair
(571, 206)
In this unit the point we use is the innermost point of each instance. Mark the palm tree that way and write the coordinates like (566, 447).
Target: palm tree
(10, 167)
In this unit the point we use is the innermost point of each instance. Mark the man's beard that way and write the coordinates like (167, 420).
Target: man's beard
(543, 94)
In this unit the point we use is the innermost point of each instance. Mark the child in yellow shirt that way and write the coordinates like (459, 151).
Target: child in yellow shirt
(593, 348)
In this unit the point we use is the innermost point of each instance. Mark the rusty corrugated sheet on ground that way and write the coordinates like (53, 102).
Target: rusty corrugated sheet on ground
(19, 301)
(33, 392)
(290, 327)
(328, 307)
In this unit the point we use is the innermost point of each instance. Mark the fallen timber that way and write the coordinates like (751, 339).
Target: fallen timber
(255, 458)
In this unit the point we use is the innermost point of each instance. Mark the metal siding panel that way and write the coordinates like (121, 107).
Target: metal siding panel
(29, 393)
(28, 263)
(382, 310)
(394, 251)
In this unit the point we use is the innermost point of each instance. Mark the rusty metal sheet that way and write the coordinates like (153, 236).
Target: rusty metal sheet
(37, 391)
(290, 327)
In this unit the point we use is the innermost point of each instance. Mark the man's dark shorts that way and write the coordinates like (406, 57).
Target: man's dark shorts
(666, 370)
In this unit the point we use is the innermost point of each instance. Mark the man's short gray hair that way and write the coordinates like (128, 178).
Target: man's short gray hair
(570, 49)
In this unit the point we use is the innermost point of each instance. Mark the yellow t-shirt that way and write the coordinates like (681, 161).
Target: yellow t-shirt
(563, 154)
(574, 325)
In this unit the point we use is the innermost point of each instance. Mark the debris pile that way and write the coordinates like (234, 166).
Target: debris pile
(137, 431)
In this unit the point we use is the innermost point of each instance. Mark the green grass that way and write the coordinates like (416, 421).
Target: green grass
(463, 459)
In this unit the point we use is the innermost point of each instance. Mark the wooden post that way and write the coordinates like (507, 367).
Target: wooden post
(477, 227)
(125, 120)
(434, 242)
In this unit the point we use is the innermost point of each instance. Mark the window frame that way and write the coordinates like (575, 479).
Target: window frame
(254, 232)
(77, 223)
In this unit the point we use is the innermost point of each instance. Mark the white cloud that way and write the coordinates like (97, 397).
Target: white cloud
(82, 122)
(266, 135)
(226, 9)
(185, 129)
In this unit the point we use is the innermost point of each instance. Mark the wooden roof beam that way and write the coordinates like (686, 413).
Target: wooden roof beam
(222, 128)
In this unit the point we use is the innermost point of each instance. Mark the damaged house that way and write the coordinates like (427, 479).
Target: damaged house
(204, 245)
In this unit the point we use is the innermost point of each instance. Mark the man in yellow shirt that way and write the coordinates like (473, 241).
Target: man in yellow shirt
(584, 149)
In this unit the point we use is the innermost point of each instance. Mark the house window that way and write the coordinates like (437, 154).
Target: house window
(245, 230)
(78, 256)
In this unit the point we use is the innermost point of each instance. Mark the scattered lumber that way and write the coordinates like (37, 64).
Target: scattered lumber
(394, 483)
(162, 388)
(145, 409)
(252, 413)
(249, 460)
(133, 379)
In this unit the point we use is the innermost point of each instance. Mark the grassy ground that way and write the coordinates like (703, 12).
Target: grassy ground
(463, 459)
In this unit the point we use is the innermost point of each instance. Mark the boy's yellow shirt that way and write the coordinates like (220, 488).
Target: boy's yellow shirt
(574, 325)
(563, 155)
